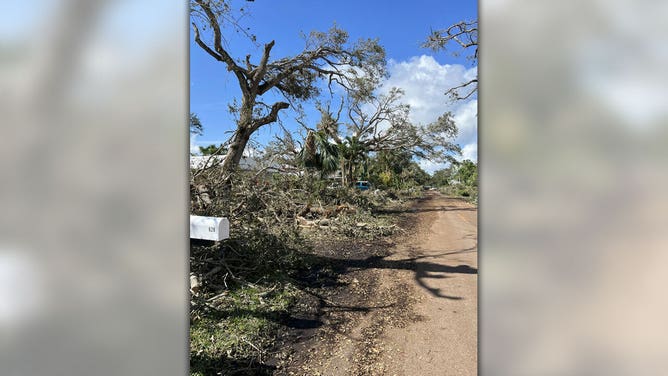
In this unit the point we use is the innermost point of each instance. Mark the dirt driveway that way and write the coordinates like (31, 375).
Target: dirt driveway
(419, 300)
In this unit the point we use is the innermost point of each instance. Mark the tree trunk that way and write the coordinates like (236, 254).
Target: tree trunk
(230, 165)
(347, 172)
(344, 174)
(235, 151)
(240, 139)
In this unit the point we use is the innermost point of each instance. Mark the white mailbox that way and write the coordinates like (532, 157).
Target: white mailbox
(209, 228)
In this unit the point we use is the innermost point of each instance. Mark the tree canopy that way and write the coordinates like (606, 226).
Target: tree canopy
(379, 123)
(195, 125)
(326, 56)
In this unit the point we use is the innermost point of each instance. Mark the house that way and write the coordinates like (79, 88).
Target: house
(245, 164)
(204, 161)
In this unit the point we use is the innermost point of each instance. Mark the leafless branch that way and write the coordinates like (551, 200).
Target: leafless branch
(464, 33)
(271, 117)
(220, 52)
(454, 92)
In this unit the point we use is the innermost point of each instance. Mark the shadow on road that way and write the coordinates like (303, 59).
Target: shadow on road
(422, 268)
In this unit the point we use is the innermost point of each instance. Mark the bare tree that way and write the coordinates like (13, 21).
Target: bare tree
(463, 35)
(326, 55)
(381, 123)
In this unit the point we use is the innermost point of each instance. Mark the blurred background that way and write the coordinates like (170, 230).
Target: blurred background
(93, 225)
(573, 177)
(93, 247)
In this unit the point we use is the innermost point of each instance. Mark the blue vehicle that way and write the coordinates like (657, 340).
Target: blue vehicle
(362, 185)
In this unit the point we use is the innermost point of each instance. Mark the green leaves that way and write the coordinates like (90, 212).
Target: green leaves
(213, 149)
(319, 153)
(467, 173)
(195, 124)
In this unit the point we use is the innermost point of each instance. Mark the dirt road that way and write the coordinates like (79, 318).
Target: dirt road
(419, 315)
(444, 341)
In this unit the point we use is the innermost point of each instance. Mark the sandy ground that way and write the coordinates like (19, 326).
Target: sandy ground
(444, 339)
(423, 303)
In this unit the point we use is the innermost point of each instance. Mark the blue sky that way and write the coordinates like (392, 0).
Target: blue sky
(401, 26)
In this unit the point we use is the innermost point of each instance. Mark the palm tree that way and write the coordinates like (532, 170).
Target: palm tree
(351, 152)
(319, 153)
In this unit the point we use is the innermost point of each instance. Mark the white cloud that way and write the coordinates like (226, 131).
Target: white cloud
(470, 151)
(431, 167)
(466, 118)
(194, 148)
(425, 82)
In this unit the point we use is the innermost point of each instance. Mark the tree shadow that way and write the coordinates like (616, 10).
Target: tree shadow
(328, 304)
(424, 270)
(208, 365)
